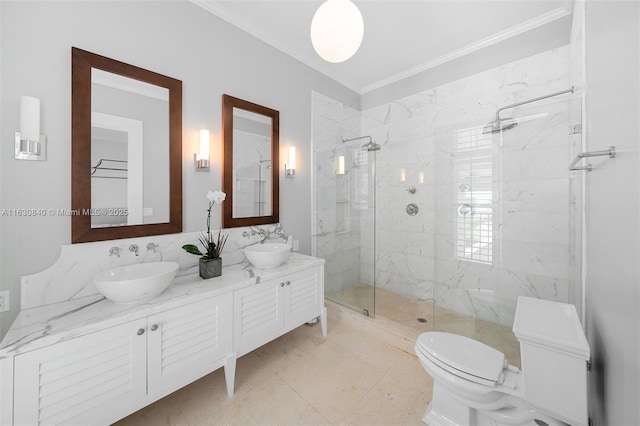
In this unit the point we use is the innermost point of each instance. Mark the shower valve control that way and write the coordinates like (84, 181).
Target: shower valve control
(411, 190)
(412, 209)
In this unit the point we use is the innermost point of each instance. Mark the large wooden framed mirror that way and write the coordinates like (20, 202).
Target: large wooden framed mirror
(250, 178)
(126, 150)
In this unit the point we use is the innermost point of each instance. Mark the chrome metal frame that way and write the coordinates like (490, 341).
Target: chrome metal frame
(539, 98)
(611, 152)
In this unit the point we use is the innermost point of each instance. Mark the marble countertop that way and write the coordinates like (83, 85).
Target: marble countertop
(45, 325)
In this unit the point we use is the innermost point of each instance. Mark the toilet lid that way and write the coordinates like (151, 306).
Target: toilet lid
(464, 355)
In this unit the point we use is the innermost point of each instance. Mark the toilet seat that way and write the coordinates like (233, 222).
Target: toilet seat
(463, 357)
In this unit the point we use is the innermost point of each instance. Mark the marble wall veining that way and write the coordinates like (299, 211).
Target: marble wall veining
(71, 276)
(533, 196)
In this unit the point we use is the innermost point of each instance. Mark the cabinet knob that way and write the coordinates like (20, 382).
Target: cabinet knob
(287, 282)
(281, 284)
(140, 331)
(154, 327)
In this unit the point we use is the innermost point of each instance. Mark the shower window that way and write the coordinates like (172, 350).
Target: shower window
(474, 195)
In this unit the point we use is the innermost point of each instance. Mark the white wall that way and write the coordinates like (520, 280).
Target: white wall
(174, 38)
(613, 253)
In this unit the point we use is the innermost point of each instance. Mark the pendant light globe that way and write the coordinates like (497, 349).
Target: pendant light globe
(337, 29)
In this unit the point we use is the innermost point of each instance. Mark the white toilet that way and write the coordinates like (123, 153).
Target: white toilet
(474, 385)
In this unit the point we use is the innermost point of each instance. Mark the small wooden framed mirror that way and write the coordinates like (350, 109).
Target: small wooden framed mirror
(250, 134)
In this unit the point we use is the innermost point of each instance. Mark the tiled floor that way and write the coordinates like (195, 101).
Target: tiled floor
(349, 377)
(400, 314)
(363, 373)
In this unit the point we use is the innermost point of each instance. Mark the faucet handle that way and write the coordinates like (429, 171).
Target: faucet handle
(115, 251)
(152, 246)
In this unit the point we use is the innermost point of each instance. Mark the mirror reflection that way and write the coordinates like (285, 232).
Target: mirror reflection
(129, 151)
(252, 169)
(126, 150)
(250, 134)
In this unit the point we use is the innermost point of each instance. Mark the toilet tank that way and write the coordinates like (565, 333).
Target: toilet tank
(554, 354)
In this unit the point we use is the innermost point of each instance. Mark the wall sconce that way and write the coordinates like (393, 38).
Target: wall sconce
(403, 175)
(202, 157)
(340, 170)
(290, 166)
(29, 143)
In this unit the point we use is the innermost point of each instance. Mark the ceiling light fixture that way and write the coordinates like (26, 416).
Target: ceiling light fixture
(337, 30)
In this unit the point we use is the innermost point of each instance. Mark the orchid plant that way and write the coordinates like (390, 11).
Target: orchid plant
(212, 245)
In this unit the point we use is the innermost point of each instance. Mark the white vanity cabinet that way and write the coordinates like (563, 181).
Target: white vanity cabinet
(103, 376)
(88, 361)
(264, 311)
(82, 380)
(186, 343)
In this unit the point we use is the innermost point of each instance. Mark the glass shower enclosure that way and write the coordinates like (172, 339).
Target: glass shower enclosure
(345, 200)
(456, 215)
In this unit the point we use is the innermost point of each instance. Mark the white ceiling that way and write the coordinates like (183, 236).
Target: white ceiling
(401, 38)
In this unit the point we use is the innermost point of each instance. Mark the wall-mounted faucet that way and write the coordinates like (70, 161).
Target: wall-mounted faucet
(115, 251)
(259, 231)
(265, 233)
(279, 232)
(134, 249)
(152, 247)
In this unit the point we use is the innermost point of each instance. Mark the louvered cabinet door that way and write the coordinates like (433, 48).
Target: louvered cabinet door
(186, 343)
(258, 315)
(81, 380)
(304, 297)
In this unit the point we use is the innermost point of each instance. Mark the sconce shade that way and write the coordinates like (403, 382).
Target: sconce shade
(292, 157)
(204, 145)
(290, 165)
(202, 156)
(340, 165)
(29, 118)
(337, 29)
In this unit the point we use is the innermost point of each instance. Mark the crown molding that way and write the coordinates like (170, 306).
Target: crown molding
(470, 48)
(213, 7)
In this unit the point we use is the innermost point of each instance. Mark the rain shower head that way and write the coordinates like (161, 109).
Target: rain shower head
(499, 124)
(371, 146)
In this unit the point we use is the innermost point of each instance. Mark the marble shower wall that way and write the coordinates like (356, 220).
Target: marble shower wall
(535, 199)
(532, 191)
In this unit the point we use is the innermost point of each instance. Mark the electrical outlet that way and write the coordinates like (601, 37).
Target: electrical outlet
(4, 301)
(296, 245)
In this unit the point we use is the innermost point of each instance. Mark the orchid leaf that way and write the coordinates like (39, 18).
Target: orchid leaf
(190, 248)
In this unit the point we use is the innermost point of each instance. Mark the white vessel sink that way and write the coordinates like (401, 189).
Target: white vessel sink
(269, 255)
(135, 283)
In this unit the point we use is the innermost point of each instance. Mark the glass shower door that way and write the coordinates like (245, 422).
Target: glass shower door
(511, 215)
(345, 223)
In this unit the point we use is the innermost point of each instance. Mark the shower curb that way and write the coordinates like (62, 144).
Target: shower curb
(395, 334)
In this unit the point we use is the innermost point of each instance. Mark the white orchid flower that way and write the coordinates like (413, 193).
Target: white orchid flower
(216, 197)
